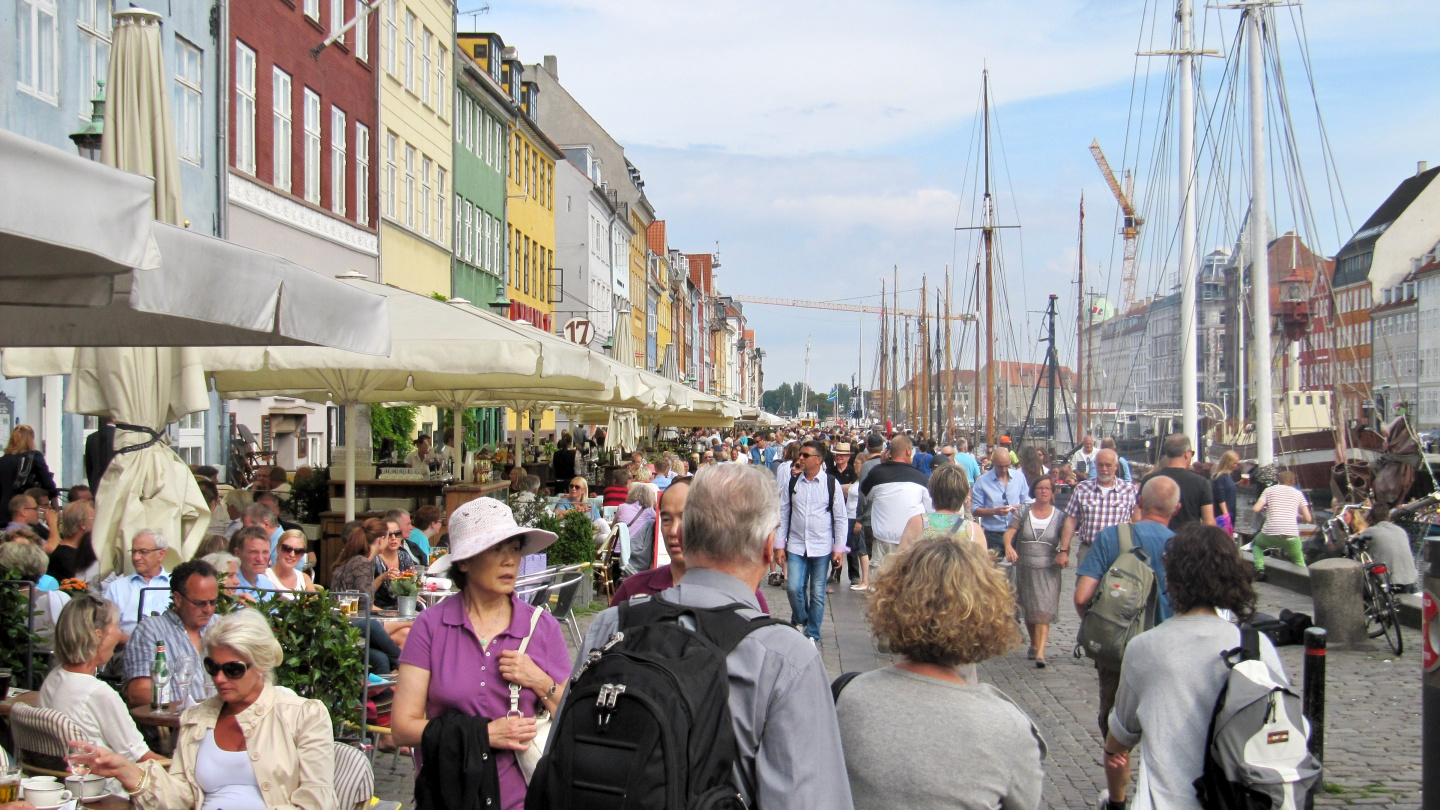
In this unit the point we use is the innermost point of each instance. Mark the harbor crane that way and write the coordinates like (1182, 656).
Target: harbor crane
(1129, 231)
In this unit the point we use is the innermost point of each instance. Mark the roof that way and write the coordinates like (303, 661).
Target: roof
(1384, 216)
(655, 238)
(1289, 253)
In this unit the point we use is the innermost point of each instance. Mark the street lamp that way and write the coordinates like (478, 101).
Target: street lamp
(501, 304)
(88, 139)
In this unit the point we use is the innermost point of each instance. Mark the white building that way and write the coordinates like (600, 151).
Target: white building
(585, 250)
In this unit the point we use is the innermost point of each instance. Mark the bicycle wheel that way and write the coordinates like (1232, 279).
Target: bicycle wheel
(1375, 607)
(1391, 623)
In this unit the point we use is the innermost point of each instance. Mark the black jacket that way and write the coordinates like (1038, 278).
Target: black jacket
(457, 770)
(39, 477)
(99, 450)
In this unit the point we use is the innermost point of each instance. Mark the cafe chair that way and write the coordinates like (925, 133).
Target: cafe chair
(563, 605)
(42, 739)
(608, 513)
(354, 779)
(604, 577)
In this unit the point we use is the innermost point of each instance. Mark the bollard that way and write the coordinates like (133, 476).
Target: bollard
(1335, 588)
(1314, 694)
(1430, 694)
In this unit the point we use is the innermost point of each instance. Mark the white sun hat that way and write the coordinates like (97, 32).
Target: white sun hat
(483, 523)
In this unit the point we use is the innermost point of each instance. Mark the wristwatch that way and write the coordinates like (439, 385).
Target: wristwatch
(551, 693)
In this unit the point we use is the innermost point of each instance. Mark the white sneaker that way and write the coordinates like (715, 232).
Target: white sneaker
(1103, 802)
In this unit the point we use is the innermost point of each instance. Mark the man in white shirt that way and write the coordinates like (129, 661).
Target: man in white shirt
(1083, 459)
(813, 532)
(147, 555)
(896, 490)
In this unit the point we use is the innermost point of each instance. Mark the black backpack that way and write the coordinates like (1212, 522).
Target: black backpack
(646, 721)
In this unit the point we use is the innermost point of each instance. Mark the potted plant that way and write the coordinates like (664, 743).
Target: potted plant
(324, 656)
(406, 588)
(574, 544)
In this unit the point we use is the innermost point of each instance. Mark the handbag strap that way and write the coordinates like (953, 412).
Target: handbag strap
(524, 644)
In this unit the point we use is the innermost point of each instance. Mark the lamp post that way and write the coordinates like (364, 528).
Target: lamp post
(88, 139)
(501, 304)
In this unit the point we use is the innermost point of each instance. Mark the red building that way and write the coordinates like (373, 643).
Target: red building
(304, 152)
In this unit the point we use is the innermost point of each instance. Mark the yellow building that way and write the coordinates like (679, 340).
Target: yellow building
(663, 331)
(416, 140)
(640, 218)
(530, 210)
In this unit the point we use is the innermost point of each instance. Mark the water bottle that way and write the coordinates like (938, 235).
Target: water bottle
(159, 677)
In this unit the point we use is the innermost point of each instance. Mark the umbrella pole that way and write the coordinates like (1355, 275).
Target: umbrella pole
(458, 452)
(352, 426)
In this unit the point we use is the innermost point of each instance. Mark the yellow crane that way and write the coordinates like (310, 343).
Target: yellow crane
(1129, 231)
(835, 305)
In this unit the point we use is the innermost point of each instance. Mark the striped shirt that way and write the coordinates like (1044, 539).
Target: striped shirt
(1094, 507)
(1282, 510)
(167, 627)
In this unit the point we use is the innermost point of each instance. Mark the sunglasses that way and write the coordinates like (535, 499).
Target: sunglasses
(808, 455)
(284, 549)
(233, 670)
(394, 534)
(576, 486)
(201, 603)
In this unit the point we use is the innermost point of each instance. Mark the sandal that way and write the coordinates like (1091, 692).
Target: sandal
(860, 587)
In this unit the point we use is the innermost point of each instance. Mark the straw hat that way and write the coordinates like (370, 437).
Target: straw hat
(841, 449)
(483, 523)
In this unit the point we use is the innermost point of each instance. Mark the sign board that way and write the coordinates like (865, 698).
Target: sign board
(577, 330)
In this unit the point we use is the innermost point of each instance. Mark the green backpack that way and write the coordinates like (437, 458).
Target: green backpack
(1124, 605)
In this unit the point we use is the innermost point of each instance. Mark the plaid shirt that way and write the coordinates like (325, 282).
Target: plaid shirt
(1096, 508)
(166, 627)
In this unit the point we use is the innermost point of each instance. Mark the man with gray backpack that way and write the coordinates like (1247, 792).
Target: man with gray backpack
(1120, 587)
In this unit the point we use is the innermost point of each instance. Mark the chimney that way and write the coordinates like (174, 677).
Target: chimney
(1421, 167)
(552, 66)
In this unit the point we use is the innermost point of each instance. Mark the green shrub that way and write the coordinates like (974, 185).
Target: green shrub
(323, 654)
(576, 543)
(15, 634)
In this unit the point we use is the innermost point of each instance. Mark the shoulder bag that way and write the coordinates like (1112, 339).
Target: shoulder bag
(530, 757)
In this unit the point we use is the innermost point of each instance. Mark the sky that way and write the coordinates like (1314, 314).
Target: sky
(825, 145)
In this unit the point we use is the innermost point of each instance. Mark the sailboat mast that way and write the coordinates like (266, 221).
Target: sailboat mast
(947, 375)
(989, 235)
(925, 355)
(895, 340)
(975, 381)
(805, 393)
(1080, 325)
(1259, 259)
(1189, 394)
(884, 380)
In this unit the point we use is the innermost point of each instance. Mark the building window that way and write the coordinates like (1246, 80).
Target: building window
(312, 9)
(410, 23)
(337, 160)
(525, 267)
(337, 17)
(408, 201)
(392, 14)
(312, 146)
(284, 141)
(189, 126)
(35, 37)
(391, 178)
(440, 72)
(440, 197)
(515, 164)
(95, 25)
(244, 108)
(362, 174)
(462, 209)
(362, 30)
(426, 167)
(427, 44)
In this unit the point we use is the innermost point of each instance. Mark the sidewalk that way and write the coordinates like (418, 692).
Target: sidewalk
(1373, 707)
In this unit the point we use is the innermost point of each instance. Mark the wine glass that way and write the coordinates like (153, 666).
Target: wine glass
(78, 759)
(182, 677)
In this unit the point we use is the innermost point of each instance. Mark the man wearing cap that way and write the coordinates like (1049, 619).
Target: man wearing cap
(787, 739)
(1009, 446)
(463, 653)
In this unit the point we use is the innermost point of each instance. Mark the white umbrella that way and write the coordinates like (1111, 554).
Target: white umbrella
(441, 353)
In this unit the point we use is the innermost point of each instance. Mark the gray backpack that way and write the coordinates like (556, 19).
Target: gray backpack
(1257, 755)
(1124, 605)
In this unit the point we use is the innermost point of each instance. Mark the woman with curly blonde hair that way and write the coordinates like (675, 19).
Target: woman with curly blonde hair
(943, 606)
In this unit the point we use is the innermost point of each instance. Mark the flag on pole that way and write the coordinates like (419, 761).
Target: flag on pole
(834, 393)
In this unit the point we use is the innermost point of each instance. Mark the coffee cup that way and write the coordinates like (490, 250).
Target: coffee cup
(45, 792)
(86, 787)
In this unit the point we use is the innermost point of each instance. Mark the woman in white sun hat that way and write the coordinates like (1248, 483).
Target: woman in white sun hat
(464, 653)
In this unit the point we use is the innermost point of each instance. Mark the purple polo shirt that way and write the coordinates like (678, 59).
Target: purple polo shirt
(466, 676)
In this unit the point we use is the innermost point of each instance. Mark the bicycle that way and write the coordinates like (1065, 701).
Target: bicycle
(1382, 612)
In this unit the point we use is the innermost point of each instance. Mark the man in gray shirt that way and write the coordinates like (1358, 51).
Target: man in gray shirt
(786, 736)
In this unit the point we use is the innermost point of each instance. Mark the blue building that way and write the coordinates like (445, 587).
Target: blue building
(51, 56)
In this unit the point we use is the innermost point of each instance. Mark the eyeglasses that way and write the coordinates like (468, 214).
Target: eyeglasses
(291, 550)
(201, 603)
(140, 552)
(233, 670)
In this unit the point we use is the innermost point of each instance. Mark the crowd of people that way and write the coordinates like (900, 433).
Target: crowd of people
(953, 552)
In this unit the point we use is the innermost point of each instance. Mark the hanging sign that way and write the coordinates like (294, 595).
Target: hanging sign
(577, 330)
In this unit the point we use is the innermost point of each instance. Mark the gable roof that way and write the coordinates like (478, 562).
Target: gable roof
(1374, 227)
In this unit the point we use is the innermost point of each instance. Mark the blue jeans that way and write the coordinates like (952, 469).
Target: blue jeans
(807, 608)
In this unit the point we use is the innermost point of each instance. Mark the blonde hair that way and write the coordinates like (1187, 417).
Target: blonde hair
(81, 626)
(1222, 467)
(22, 440)
(248, 634)
(583, 483)
(945, 603)
(292, 533)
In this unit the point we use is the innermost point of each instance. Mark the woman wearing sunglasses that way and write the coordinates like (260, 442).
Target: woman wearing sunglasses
(253, 745)
(578, 497)
(286, 571)
(392, 561)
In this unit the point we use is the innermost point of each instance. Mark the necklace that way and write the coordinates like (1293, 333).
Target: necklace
(484, 633)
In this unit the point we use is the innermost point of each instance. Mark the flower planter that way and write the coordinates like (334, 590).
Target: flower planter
(405, 607)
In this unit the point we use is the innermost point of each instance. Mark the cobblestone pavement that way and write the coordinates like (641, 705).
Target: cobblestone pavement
(1372, 736)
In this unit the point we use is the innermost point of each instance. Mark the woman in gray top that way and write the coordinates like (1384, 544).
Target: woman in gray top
(1173, 674)
(1030, 545)
(979, 750)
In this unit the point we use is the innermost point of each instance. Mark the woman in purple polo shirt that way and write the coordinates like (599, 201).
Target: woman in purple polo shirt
(463, 653)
